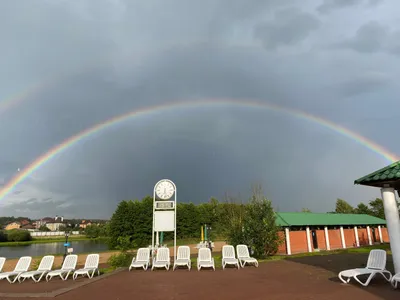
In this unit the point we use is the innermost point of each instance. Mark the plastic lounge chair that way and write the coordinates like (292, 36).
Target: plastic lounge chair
(204, 259)
(2, 262)
(376, 264)
(44, 267)
(183, 257)
(22, 266)
(142, 259)
(244, 256)
(67, 267)
(228, 256)
(91, 265)
(162, 259)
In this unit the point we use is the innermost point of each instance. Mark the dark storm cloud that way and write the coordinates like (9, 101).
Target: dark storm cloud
(112, 57)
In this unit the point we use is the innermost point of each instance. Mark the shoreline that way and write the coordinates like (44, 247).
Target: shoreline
(49, 240)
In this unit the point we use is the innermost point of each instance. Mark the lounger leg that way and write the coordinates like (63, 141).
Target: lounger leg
(394, 283)
(389, 275)
(342, 279)
(372, 275)
(40, 277)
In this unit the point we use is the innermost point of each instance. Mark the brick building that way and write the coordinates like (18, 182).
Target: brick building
(308, 232)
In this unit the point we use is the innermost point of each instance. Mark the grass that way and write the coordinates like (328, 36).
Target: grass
(365, 249)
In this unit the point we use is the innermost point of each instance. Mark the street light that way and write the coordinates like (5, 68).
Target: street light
(208, 236)
(66, 245)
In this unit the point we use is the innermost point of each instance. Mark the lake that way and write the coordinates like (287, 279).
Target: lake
(41, 249)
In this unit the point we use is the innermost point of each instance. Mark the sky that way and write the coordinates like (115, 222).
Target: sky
(91, 60)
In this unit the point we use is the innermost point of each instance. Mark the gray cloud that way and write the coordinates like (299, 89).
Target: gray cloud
(289, 26)
(328, 6)
(99, 59)
(369, 38)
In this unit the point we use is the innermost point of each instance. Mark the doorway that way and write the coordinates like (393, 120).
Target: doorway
(314, 239)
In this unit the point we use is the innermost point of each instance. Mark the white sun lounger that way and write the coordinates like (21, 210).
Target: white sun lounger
(228, 256)
(22, 266)
(204, 259)
(244, 256)
(183, 257)
(142, 259)
(2, 262)
(67, 267)
(162, 259)
(44, 267)
(91, 266)
(376, 264)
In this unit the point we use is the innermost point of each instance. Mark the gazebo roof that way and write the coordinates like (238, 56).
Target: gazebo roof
(387, 175)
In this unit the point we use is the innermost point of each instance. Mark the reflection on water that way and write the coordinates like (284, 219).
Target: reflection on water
(83, 246)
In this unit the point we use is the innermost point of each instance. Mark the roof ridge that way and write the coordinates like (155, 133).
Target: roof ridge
(279, 215)
(392, 165)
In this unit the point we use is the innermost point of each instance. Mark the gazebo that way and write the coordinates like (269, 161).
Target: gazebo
(388, 179)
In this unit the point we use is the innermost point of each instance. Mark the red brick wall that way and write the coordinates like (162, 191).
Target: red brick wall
(335, 239)
(349, 237)
(385, 235)
(298, 241)
(363, 236)
(282, 246)
(321, 239)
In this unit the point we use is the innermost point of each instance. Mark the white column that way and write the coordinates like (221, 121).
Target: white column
(308, 239)
(369, 235)
(380, 234)
(392, 224)
(342, 237)
(289, 251)
(356, 235)
(328, 245)
(157, 238)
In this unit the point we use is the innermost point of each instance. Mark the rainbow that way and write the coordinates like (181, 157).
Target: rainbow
(148, 111)
(13, 100)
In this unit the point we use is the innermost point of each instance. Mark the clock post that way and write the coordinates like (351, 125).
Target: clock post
(164, 211)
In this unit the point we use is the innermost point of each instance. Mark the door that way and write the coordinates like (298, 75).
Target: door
(314, 239)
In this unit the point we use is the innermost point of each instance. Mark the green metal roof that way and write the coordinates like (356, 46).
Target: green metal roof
(389, 174)
(325, 219)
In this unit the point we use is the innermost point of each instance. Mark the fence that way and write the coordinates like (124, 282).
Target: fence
(52, 233)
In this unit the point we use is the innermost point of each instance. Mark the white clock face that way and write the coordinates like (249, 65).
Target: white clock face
(165, 190)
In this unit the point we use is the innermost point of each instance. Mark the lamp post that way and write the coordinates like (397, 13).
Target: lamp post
(208, 236)
(66, 245)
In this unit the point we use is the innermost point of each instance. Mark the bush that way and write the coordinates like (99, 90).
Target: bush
(3, 236)
(122, 259)
(17, 235)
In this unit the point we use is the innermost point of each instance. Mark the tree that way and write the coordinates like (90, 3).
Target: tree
(44, 228)
(363, 209)
(260, 229)
(305, 210)
(342, 207)
(234, 222)
(377, 208)
(95, 231)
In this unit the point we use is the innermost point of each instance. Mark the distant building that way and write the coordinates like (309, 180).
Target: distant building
(55, 224)
(13, 225)
(42, 222)
(85, 223)
(29, 227)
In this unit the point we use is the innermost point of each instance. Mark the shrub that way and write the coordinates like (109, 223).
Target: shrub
(17, 235)
(3, 236)
(122, 259)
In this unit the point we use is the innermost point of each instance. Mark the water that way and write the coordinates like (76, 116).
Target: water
(83, 246)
